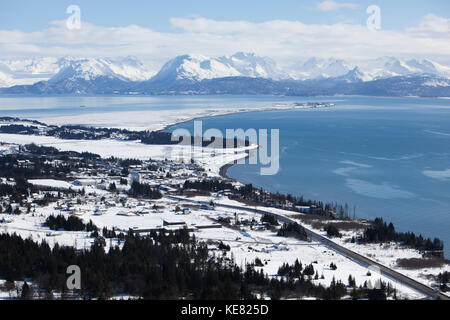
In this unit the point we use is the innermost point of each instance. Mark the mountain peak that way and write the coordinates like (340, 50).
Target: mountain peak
(199, 67)
(354, 75)
(314, 68)
(125, 69)
(193, 67)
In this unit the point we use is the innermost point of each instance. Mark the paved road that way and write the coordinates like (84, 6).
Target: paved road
(356, 257)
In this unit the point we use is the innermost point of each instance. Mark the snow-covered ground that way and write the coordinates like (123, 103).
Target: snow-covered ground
(156, 119)
(246, 244)
(53, 183)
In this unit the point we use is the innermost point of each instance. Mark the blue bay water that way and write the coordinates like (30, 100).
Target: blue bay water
(388, 157)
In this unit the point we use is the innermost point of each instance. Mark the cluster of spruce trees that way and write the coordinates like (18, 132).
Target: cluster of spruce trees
(144, 190)
(71, 223)
(444, 277)
(378, 291)
(336, 291)
(332, 231)
(380, 232)
(19, 129)
(270, 219)
(293, 230)
(16, 192)
(296, 270)
(212, 185)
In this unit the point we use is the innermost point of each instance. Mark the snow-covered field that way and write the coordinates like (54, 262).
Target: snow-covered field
(155, 119)
(52, 183)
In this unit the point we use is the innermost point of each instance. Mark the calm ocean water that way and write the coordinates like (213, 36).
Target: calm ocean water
(388, 157)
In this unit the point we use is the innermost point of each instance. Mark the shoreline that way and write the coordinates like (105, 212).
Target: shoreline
(223, 171)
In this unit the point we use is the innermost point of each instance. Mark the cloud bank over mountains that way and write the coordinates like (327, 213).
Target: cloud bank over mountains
(285, 41)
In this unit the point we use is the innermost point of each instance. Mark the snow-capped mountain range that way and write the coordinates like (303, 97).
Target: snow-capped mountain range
(30, 71)
(199, 67)
(369, 70)
(239, 73)
(126, 69)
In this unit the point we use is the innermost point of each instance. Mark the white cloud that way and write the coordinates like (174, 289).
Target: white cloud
(330, 5)
(432, 26)
(285, 41)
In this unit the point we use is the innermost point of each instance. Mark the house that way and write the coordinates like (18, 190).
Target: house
(173, 222)
(303, 209)
(99, 211)
(127, 213)
(101, 241)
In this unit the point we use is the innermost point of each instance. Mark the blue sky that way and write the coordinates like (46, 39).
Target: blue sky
(34, 15)
(286, 30)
